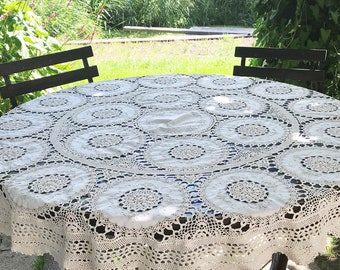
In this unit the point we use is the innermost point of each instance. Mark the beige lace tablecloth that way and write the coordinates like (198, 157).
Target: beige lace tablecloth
(172, 172)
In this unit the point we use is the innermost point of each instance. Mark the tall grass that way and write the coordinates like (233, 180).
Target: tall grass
(222, 12)
(77, 19)
(166, 13)
(179, 13)
(69, 19)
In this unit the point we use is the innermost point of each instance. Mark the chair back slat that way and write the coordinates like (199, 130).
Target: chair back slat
(284, 54)
(21, 88)
(281, 73)
(310, 74)
(12, 90)
(45, 60)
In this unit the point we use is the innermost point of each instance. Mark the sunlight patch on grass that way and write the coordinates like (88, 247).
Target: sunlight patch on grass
(121, 60)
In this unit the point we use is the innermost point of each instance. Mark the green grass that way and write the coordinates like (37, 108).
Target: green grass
(330, 259)
(121, 60)
(111, 34)
(39, 263)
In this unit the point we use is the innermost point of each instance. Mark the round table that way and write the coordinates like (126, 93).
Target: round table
(172, 172)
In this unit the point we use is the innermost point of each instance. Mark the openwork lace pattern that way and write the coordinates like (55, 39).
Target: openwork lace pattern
(172, 172)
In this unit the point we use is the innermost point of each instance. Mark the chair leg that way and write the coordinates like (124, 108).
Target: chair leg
(279, 261)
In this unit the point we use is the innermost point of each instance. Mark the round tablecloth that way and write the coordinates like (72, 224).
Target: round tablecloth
(172, 172)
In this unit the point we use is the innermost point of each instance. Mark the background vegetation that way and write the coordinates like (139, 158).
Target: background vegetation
(303, 24)
(22, 35)
(179, 13)
(69, 19)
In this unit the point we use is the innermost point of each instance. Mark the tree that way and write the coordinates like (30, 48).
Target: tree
(303, 24)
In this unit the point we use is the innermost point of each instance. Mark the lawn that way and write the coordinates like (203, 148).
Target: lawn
(121, 60)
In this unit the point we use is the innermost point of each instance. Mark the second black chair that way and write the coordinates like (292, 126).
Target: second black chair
(310, 57)
(12, 90)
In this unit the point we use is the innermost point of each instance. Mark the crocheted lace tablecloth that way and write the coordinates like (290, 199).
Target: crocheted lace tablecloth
(172, 172)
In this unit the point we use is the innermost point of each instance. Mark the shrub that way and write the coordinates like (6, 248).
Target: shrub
(69, 19)
(22, 36)
(179, 13)
(223, 12)
(303, 24)
(165, 13)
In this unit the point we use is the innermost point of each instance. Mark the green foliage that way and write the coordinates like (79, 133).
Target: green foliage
(179, 13)
(22, 36)
(39, 263)
(223, 12)
(21, 33)
(330, 260)
(165, 13)
(303, 24)
(70, 19)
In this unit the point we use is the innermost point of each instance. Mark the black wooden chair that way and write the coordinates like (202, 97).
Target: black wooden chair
(310, 59)
(12, 90)
(279, 261)
(310, 73)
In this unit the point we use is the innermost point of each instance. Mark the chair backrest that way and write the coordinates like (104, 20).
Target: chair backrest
(310, 74)
(12, 90)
